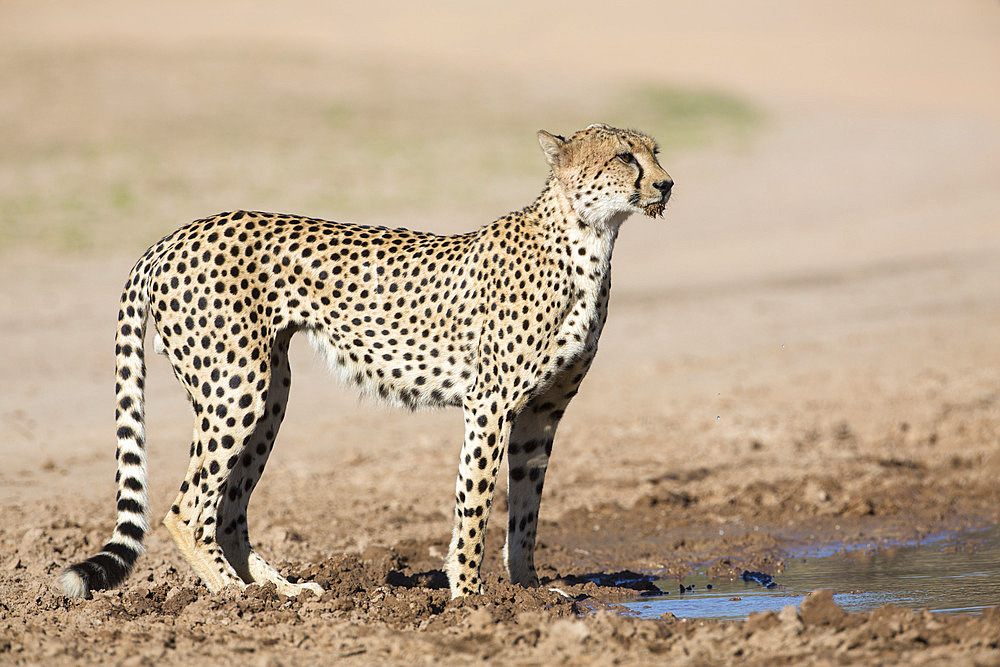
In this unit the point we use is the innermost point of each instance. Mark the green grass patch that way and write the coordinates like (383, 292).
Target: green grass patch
(685, 118)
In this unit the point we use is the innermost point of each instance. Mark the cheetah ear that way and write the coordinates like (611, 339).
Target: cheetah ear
(552, 145)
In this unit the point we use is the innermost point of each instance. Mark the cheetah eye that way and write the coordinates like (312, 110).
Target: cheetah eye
(627, 158)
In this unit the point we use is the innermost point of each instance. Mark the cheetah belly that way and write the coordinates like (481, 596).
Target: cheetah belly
(413, 382)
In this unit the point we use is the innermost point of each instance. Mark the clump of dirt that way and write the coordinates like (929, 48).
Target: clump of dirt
(818, 608)
(380, 584)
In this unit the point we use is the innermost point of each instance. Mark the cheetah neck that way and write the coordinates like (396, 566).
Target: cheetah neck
(593, 232)
(582, 249)
(582, 252)
(566, 214)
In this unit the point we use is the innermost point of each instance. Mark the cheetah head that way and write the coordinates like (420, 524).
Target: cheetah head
(608, 173)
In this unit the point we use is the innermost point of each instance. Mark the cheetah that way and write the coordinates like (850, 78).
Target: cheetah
(503, 322)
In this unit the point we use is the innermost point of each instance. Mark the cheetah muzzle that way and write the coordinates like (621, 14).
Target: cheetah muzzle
(503, 321)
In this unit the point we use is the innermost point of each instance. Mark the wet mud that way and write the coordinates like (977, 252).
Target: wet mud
(384, 605)
(391, 602)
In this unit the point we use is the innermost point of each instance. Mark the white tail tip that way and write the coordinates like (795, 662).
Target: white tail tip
(73, 584)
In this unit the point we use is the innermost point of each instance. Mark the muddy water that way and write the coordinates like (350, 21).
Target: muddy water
(957, 574)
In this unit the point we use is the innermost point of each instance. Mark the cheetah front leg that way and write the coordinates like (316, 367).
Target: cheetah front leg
(529, 451)
(530, 448)
(487, 429)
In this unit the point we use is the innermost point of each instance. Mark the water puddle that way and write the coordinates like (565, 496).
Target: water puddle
(958, 574)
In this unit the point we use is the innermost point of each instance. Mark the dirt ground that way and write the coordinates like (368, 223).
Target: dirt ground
(803, 352)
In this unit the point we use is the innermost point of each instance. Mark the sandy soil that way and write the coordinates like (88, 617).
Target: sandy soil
(804, 352)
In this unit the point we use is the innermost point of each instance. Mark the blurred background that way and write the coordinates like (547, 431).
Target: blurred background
(122, 120)
(831, 255)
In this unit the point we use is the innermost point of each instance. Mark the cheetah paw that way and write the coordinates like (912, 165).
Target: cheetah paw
(291, 590)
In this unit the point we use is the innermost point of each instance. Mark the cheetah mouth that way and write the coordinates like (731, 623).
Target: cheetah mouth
(654, 210)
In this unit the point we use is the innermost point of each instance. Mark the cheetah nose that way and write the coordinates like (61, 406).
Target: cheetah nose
(664, 186)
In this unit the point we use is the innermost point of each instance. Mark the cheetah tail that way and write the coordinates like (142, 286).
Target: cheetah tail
(114, 562)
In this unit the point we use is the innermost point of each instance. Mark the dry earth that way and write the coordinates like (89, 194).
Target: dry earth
(803, 352)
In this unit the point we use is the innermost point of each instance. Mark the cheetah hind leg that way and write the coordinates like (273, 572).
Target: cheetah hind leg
(233, 532)
(185, 524)
(261, 570)
(191, 519)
